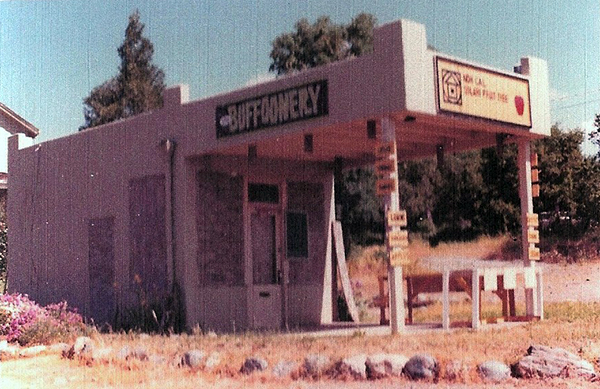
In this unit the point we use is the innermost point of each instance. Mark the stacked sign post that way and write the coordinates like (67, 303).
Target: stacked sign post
(386, 167)
(529, 222)
(533, 237)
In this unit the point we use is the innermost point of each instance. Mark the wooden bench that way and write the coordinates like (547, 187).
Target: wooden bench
(500, 281)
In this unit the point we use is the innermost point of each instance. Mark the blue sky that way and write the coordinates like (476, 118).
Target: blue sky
(52, 53)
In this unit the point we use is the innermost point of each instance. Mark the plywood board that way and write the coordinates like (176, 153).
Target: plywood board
(534, 160)
(510, 278)
(490, 280)
(385, 150)
(529, 275)
(533, 236)
(399, 257)
(397, 218)
(386, 186)
(338, 241)
(535, 177)
(385, 167)
(532, 220)
(534, 254)
(397, 238)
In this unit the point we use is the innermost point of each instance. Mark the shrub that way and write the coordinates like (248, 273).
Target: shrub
(16, 313)
(25, 322)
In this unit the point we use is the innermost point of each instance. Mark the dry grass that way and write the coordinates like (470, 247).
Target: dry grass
(574, 326)
(366, 264)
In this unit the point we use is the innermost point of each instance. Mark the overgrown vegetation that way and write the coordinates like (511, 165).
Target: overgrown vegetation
(25, 322)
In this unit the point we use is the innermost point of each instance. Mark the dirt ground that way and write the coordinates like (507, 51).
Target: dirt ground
(579, 282)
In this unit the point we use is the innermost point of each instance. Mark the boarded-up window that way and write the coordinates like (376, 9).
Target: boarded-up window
(308, 227)
(101, 269)
(220, 229)
(147, 234)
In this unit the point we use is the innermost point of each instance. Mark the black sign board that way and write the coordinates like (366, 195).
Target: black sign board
(274, 109)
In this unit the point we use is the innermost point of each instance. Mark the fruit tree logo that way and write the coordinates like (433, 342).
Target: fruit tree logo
(451, 87)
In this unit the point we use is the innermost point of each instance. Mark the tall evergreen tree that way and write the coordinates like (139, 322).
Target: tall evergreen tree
(137, 88)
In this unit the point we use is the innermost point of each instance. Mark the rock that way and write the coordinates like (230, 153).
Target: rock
(494, 371)
(139, 353)
(7, 350)
(385, 365)
(545, 362)
(284, 369)
(211, 334)
(32, 351)
(83, 344)
(421, 366)
(315, 365)
(456, 370)
(193, 359)
(123, 353)
(104, 353)
(212, 361)
(82, 348)
(157, 359)
(59, 348)
(352, 367)
(253, 364)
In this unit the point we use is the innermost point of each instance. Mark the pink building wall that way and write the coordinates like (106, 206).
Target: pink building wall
(58, 186)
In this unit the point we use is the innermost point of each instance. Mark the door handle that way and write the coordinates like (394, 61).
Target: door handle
(279, 276)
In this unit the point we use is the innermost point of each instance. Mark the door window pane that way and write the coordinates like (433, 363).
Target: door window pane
(297, 234)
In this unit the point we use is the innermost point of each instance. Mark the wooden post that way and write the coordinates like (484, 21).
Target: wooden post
(475, 299)
(446, 299)
(391, 204)
(525, 194)
(540, 293)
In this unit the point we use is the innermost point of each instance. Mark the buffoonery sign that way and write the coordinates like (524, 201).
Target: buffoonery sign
(274, 109)
(475, 91)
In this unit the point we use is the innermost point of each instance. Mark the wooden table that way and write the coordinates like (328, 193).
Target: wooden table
(500, 281)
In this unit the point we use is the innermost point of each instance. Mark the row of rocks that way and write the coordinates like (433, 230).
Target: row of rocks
(539, 362)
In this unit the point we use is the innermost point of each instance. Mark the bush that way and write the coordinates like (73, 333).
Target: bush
(25, 322)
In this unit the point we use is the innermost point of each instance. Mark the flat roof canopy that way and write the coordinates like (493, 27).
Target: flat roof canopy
(434, 101)
(417, 136)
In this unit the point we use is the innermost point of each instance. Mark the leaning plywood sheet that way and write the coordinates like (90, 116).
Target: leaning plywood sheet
(343, 270)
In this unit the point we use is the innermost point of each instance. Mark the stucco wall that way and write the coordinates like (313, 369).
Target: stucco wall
(58, 188)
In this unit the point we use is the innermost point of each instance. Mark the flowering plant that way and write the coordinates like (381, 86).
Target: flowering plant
(24, 321)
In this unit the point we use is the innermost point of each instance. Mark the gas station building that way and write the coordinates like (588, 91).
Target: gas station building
(228, 201)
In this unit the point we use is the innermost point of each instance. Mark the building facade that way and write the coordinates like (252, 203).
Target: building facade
(228, 202)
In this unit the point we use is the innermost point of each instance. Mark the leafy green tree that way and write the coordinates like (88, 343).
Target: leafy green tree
(560, 167)
(359, 207)
(499, 212)
(318, 44)
(137, 88)
(459, 197)
(594, 136)
(418, 183)
(321, 43)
